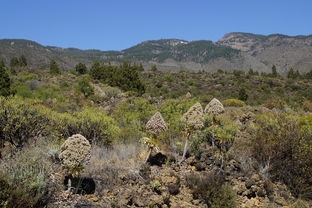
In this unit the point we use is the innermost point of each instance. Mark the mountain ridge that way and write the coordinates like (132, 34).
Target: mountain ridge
(234, 50)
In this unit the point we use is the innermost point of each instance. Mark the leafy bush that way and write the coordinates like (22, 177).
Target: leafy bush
(233, 103)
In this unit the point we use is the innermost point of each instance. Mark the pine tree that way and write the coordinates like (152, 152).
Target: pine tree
(22, 61)
(274, 71)
(154, 68)
(54, 69)
(2, 64)
(81, 68)
(242, 95)
(5, 82)
(14, 62)
(291, 74)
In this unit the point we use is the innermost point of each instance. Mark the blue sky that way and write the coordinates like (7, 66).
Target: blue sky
(119, 24)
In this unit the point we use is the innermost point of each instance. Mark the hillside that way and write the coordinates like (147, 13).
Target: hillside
(283, 51)
(234, 51)
(71, 140)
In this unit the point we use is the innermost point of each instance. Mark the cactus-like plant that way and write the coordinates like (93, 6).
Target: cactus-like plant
(154, 126)
(75, 154)
(194, 120)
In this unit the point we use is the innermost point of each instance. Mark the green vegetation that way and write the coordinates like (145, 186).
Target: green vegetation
(81, 68)
(54, 69)
(5, 82)
(125, 76)
(18, 61)
(283, 145)
(266, 132)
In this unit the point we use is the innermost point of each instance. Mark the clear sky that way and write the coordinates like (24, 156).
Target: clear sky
(119, 24)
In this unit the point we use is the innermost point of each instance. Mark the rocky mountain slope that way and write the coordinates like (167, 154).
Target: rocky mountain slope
(283, 51)
(234, 51)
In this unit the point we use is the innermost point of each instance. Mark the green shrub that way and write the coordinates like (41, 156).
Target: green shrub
(233, 103)
(305, 122)
(81, 68)
(132, 116)
(20, 122)
(307, 105)
(92, 123)
(275, 103)
(221, 131)
(84, 86)
(286, 147)
(25, 179)
(95, 125)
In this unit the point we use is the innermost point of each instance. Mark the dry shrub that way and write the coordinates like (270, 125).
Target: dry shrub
(109, 165)
(25, 178)
(212, 189)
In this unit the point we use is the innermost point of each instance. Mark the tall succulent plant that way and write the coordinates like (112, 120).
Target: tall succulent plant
(194, 120)
(75, 154)
(154, 127)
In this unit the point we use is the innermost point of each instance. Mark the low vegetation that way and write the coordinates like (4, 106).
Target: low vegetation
(257, 135)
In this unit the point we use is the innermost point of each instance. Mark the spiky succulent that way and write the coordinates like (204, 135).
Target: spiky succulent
(214, 107)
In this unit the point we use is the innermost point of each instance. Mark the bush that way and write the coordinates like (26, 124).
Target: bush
(242, 95)
(233, 103)
(212, 189)
(276, 103)
(305, 123)
(132, 116)
(54, 69)
(20, 122)
(81, 68)
(286, 147)
(84, 86)
(307, 106)
(221, 131)
(92, 123)
(95, 125)
(24, 179)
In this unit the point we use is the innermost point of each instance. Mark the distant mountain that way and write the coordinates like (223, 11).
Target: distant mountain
(233, 51)
(282, 50)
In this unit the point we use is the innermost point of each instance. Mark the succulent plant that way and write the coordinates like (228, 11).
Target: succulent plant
(214, 107)
(194, 117)
(154, 126)
(194, 120)
(75, 153)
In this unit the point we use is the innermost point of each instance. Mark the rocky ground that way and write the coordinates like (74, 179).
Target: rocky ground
(130, 183)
